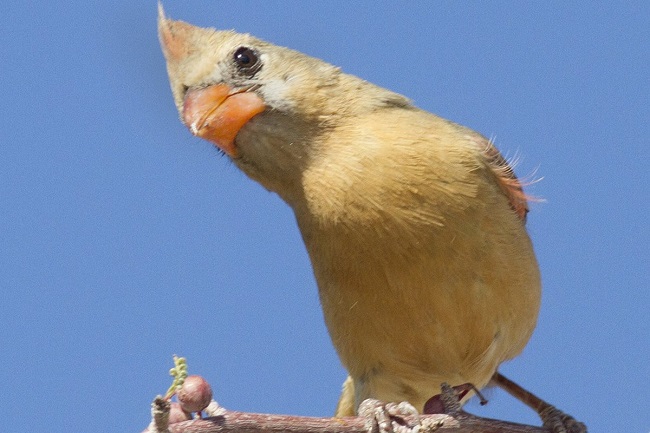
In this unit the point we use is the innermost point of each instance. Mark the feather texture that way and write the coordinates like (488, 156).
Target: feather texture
(414, 224)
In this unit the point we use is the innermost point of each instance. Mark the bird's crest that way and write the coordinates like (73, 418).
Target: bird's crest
(174, 36)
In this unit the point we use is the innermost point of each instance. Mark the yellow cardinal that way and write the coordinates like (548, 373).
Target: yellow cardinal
(415, 225)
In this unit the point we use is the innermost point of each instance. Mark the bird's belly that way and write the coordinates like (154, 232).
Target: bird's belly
(403, 329)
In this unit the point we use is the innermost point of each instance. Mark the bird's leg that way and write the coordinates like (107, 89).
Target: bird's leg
(552, 418)
(403, 417)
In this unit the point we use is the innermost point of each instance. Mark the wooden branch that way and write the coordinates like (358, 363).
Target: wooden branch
(242, 422)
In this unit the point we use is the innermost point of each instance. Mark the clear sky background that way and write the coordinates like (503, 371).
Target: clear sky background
(124, 240)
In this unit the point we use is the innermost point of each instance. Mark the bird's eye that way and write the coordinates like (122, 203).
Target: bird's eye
(247, 60)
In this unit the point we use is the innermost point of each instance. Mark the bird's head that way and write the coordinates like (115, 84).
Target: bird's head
(267, 107)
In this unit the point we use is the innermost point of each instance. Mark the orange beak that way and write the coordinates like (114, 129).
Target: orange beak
(217, 113)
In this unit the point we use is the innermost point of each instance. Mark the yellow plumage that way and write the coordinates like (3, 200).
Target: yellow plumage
(414, 225)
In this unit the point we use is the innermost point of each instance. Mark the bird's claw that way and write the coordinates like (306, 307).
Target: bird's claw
(392, 417)
(559, 422)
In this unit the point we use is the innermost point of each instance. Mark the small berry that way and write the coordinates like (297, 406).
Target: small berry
(195, 394)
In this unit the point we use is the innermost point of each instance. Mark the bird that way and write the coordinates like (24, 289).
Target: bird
(414, 224)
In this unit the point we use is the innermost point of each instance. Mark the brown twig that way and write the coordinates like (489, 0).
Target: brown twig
(242, 422)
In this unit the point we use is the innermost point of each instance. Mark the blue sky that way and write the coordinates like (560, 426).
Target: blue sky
(124, 240)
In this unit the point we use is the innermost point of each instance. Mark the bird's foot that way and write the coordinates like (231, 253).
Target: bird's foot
(448, 401)
(394, 418)
(559, 422)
